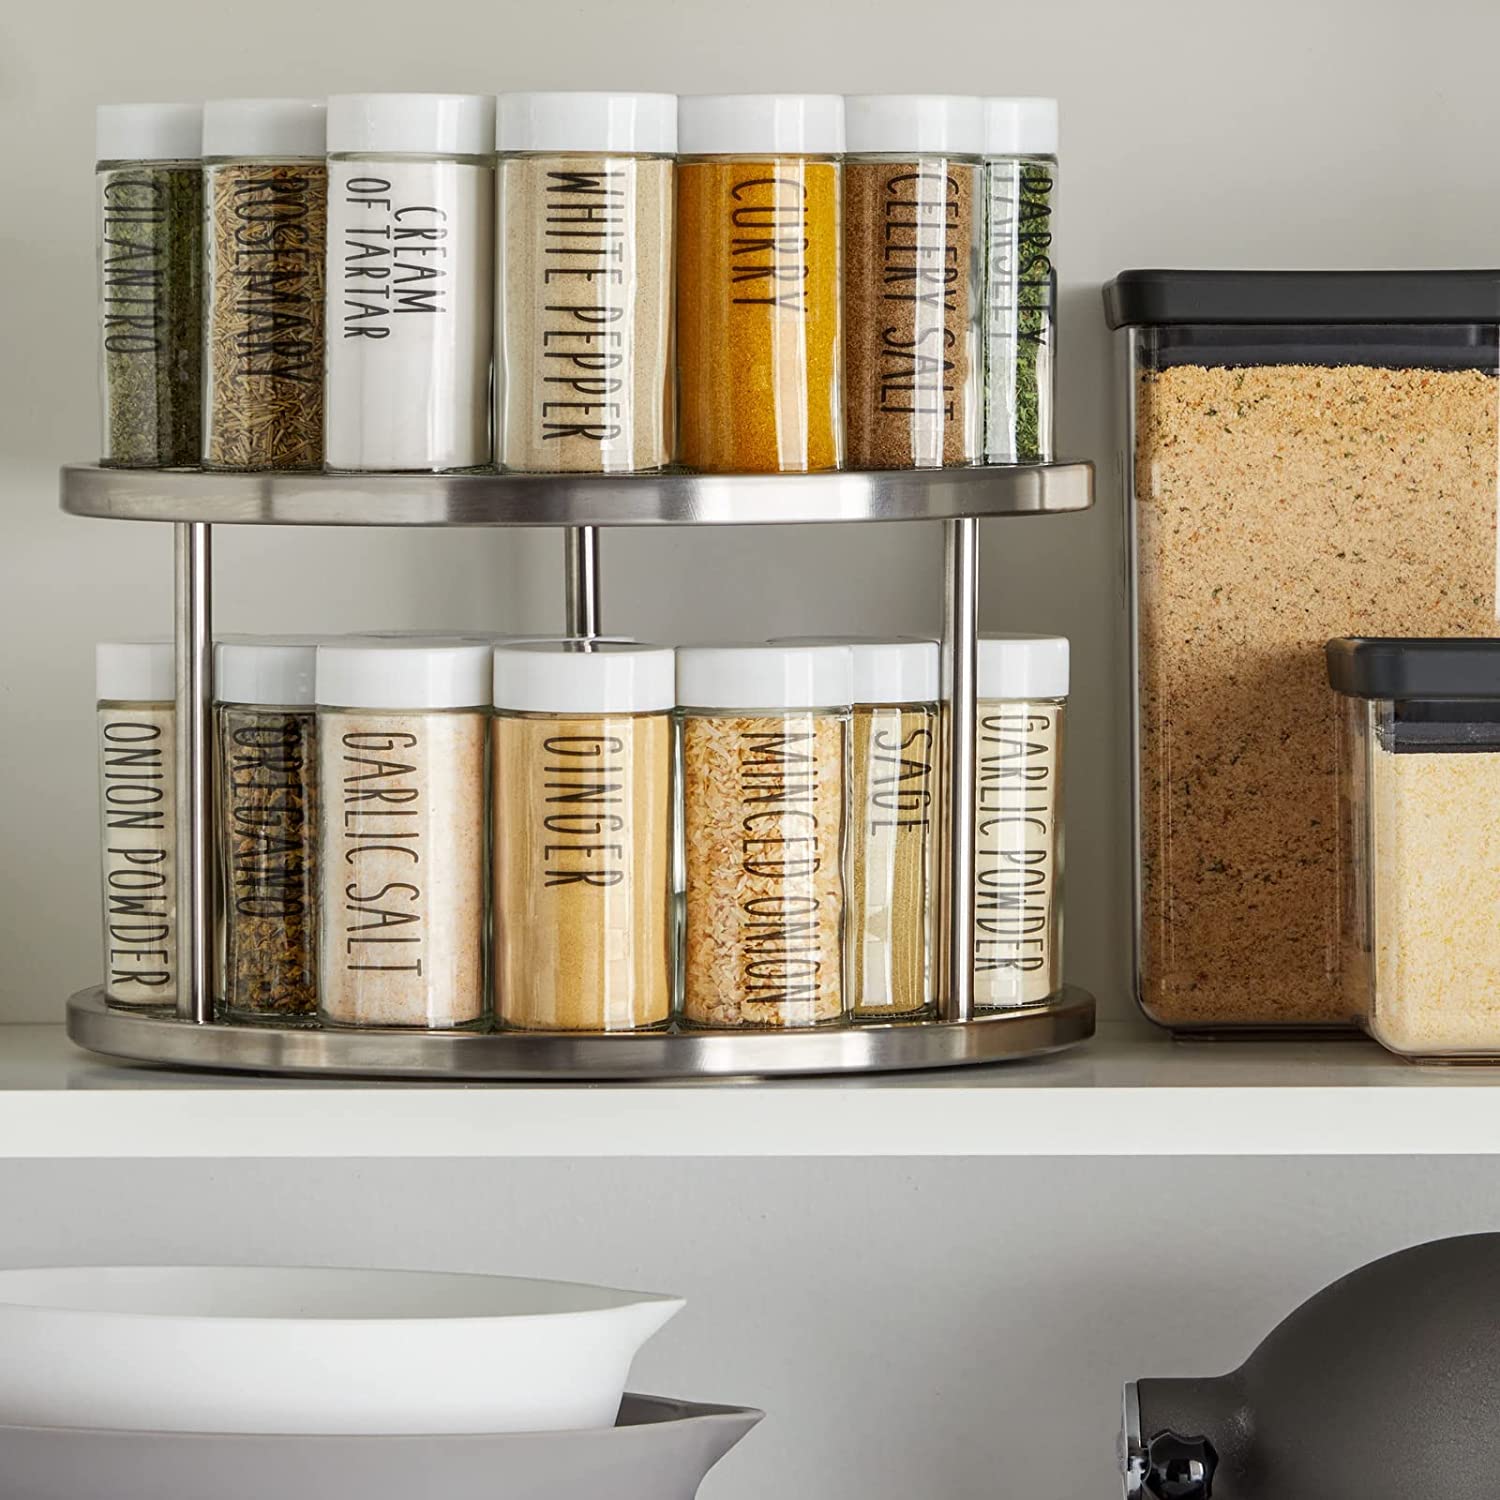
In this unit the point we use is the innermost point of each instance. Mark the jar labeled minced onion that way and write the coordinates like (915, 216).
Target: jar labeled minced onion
(764, 757)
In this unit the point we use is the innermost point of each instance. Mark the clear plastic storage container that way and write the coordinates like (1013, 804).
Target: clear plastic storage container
(1311, 454)
(1419, 770)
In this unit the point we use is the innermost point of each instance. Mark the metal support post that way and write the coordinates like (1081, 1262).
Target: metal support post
(961, 658)
(581, 560)
(193, 639)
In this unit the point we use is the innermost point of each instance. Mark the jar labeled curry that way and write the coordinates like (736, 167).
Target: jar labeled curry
(402, 732)
(913, 214)
(758, 282)
(268, 827)
(138, 820)
(764, 787)
(582, 832)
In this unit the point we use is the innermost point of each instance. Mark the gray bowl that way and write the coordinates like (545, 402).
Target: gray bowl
(659, 1450)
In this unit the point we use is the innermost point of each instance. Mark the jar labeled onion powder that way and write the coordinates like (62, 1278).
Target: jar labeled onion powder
(402, 728)
(764, 757)
(138, 820)
(410, 286)
(583, 371)
(582, 765)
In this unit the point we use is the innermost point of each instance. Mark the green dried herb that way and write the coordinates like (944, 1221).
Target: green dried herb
(151, 315)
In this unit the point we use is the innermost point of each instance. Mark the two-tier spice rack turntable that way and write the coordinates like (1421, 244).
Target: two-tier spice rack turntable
(195, 502)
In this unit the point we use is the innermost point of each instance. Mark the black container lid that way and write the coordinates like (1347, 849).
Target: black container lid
(1167, 298)
(1408, 667)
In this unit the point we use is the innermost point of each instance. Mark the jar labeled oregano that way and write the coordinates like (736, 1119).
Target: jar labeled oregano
(266, 192)
(150, 223)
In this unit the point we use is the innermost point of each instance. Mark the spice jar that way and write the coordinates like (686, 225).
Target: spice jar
(583, 373)
(764, 757)
(913, 206)
(150, 221)
(1020, 315)
(758, 284)
(1419, 794)
(1018, 819)
(266, 201)
(401, 754)
(1314, 454)
(410, 285)
(582, 768)
(138, 820)
(268, 827)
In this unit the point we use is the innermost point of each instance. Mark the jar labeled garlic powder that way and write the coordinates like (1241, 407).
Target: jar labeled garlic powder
(402, 728)
(582, 765)
(764, 756)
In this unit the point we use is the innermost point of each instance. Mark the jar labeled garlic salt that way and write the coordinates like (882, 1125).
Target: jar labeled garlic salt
(582, 765)
(138, 821)
(402, 728)
(764, 757)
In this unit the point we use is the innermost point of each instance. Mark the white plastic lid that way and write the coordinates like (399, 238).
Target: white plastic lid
(134, 671)
(270, 128)
(416, 124)
(922, 124)
(1023, 666)
(640, 124)
(771, 677)
(1020, 127)
(769, 124)
(269, 669)
(574, 677)
(886, 669)
(148, 132)
(398, 675)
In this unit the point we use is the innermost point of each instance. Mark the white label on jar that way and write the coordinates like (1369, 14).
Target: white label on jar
(1015, 854)
(138, 844)
(409, 326)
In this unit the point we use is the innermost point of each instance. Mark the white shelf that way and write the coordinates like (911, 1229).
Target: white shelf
(1130, 1092)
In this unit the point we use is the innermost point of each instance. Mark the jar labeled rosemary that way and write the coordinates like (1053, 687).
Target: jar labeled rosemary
(402, 728)
(411, 223)
(764, 755)
(583, 368)
(268, 828)
(150, 236)
(582, 767)
(138, 820)
(1018, 819)
(913, 220)
(1020, 316)
(266, 203)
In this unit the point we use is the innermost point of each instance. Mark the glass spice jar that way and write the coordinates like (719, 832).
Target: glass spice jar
(582, 806)
(758, 282)
(410, 285)
(913, 221)
(1020, 315)
(1018, 819)
(764, 783)
(266, 204)
(268, 827)
(583, 375)
(402, 730)
(136, 719)
(150, 226)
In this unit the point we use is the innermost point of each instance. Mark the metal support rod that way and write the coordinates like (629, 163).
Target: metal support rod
(193, 639)
(961, 656)
(581, 560)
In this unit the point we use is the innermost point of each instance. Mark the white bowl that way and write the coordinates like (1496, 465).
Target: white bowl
(287, 1349)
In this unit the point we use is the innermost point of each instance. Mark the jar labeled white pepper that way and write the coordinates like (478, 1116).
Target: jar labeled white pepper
(1018, 819)
(138, 821)
(582, 859)
(410, 285)
(583, 376)
(402, 730)
(267, 795)
(764, 757)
